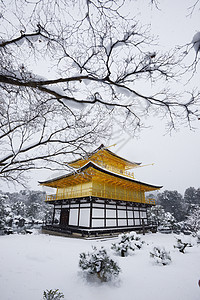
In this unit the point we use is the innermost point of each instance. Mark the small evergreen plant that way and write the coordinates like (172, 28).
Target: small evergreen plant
(99, 264)
(160, 255)
(180, 245)
(182, 242)
(198, 237)
(126, 242)
(52, 295)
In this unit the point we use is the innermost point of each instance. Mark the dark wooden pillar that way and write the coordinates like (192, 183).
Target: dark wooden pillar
(104, 213)
(90, 212)
(79, 207)
(143, 227)
(53, 214)
(126, 216)
(117, 223)
(134, 214)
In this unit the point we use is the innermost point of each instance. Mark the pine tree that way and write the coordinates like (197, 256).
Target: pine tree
(160, 255)
(182, 242)
(126, 242)
(193, 219)
(52, 295)
(98, 263)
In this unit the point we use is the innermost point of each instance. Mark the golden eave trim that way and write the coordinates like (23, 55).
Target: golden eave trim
(89, 166)
(100, 149)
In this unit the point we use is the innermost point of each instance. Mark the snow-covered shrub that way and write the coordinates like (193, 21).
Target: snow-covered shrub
(123, 245)
(127, 242)
(52, 295)
(98, 263)
(182, 242)
(160, 255)
(135, 239)
(198, 237)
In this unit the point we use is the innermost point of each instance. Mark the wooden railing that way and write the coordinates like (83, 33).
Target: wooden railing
(150, 201)
(102, 194)
(118, 171)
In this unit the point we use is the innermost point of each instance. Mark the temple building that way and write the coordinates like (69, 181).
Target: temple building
(99, 196)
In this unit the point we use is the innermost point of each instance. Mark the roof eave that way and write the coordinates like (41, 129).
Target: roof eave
(97, 167)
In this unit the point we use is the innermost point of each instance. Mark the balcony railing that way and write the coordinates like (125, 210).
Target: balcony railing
(118, 171)
(122, 195)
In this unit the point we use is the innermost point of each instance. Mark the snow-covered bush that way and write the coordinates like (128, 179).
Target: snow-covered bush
(52, 295)
(198, 237)
(182, 242)
(135, 239)
(160, 255)
(127, 242)
(122, 247)
(98, 263)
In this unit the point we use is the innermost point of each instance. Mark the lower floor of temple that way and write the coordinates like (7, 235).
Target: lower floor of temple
(92, 216)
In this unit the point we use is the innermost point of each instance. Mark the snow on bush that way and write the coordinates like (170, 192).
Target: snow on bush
(160, 256)
(52, 295)
(127, 242)
(182, 242)
(98, 264)
(198, 237)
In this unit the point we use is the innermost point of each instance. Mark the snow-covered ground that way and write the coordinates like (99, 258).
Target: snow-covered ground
(30, 264)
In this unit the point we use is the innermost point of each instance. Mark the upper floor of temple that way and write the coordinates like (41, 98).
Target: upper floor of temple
(105, 158)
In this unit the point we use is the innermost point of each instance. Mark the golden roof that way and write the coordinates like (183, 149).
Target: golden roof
(92, 171)
(103, 156)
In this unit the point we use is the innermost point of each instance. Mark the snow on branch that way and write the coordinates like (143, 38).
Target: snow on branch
(97, 68)
(196, 42)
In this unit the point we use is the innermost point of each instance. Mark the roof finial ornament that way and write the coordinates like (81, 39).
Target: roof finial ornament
(111, 146)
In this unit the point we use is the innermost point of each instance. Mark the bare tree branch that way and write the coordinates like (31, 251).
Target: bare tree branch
(70, 70)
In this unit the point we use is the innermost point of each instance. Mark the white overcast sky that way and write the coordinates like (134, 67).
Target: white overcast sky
(176, 157)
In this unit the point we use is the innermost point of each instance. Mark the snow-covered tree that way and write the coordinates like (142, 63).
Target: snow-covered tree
(19, 208)
(72, 69)
(98, 263)
(193, 219)
(191, 198)
(159, 216)
(35, 210)
(17, 211)
(172, 202)
(6, 216)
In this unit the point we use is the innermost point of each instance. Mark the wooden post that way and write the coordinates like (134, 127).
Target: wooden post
(90, 212)
(117, 215)
(79, 207)
(104, 213)
(53, 215)
(143, 227)
(126, 215)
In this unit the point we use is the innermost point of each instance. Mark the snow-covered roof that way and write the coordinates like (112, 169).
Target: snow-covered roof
(104, 148)
(95, 166)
